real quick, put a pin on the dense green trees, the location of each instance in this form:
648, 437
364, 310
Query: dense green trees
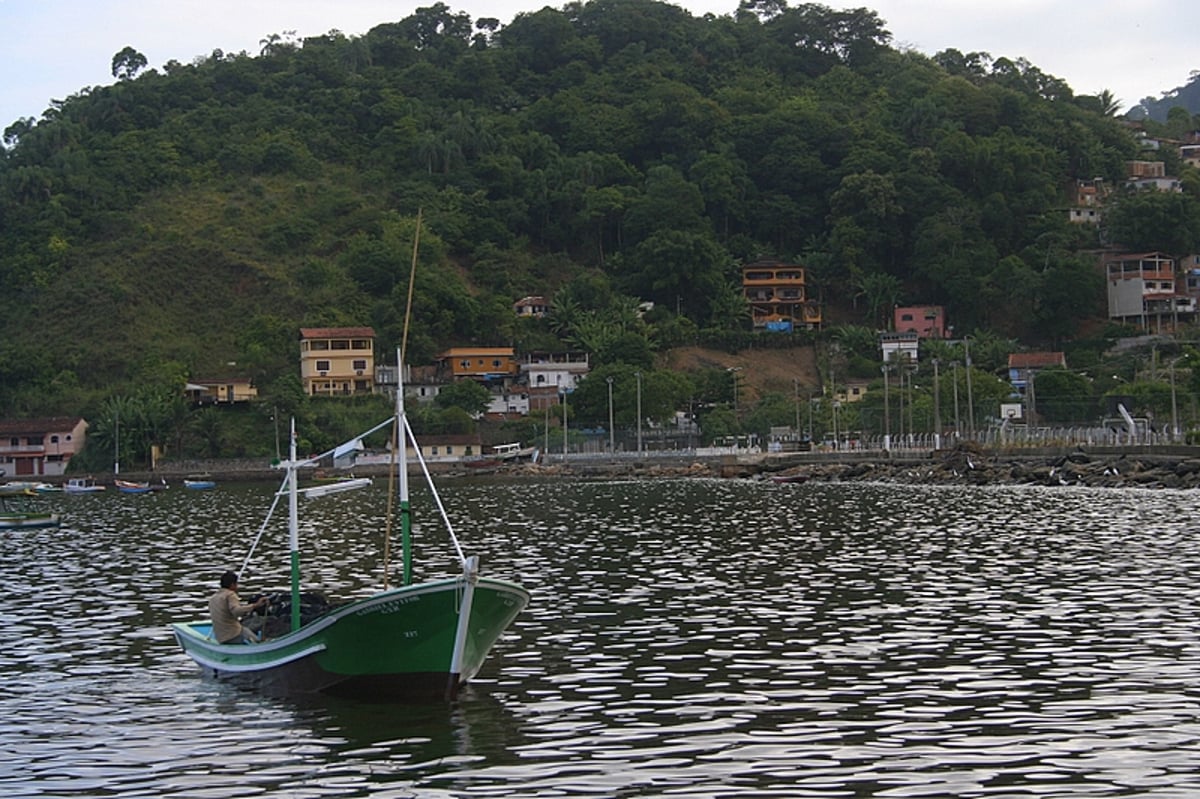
618, 144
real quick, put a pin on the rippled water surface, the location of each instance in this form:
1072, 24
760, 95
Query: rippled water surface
685, 639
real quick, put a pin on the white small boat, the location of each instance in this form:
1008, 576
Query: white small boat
82, 485
29, 485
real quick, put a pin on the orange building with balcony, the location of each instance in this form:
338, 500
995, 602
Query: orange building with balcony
778, 296
485, 364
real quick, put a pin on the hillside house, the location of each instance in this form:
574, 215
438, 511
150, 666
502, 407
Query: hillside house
899, 347
548, 375
532, 306
852, 391
1023, 366
1086, 198
451, 447
488, 365
927, 321
420, 382
778, 296
337, 361
220, 390
40, 447
1150, 176
1142, 290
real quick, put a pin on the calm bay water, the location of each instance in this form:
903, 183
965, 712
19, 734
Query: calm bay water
686, 639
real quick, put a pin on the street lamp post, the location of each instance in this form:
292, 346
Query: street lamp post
834, 405
564, 404
733, 370
796, 393
957, 424
970, 398
810, 418
937, 408
638, 375
1174, 408
611, 445
887, 411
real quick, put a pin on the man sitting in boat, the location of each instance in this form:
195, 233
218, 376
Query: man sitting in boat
227, 609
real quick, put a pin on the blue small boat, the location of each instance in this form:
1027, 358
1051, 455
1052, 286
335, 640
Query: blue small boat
198, 483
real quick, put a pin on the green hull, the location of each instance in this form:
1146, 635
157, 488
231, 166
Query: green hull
27, 521
399, 642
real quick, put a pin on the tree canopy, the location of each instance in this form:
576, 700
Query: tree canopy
194, 214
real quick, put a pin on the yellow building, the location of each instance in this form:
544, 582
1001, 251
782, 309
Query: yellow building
337, 361
220, 390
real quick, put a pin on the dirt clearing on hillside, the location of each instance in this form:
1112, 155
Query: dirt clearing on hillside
763, 371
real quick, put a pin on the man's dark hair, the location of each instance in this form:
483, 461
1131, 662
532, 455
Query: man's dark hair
229, 579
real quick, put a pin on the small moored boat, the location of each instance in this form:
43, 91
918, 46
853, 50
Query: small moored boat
139, 487
82, 485
17, 514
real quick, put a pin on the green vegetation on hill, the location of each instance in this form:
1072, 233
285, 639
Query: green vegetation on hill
602, 154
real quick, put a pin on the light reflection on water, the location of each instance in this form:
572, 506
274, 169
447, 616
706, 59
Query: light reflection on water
686, 638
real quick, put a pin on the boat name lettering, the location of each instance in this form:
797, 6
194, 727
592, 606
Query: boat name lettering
392, 605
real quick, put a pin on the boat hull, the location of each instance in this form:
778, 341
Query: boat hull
28, 521
398, 643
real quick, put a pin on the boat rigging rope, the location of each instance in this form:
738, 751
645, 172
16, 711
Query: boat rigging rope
437, 499
262, 528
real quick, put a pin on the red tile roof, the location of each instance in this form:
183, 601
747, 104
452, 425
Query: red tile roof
9, 427
337, 332
1034, 360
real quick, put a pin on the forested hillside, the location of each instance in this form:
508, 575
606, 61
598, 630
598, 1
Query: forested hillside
603, 154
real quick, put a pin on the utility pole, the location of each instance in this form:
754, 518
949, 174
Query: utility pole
611, 445
937, 409
638, 375
970, 397
887, 411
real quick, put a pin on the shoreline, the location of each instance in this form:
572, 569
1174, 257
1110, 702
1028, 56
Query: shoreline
1110, 467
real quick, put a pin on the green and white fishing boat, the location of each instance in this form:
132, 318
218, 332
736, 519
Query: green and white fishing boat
17, 514
422, 639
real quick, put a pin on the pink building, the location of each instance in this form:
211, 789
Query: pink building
40, 447
927, 321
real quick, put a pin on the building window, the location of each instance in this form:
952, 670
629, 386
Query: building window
322, 366
340, 344
53, 439
360, 365
320, 345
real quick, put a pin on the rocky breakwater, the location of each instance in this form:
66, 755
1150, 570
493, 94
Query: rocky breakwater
975, 467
